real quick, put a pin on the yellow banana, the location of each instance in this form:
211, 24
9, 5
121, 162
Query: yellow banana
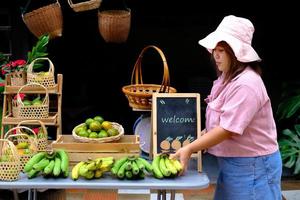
98, 173
75, 170
92, 165
83, 169
176, 164
89, 175
170, 166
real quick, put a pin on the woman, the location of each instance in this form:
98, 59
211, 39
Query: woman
240, 128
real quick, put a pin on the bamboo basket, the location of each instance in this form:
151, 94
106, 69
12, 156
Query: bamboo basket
115, 125
46, 80
10, 167
42, 142
114, 25
32, 111
23, 137
18, 78
139, 95
85, 5
45, 20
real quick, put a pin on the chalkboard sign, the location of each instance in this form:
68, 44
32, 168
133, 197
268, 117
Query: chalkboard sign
176, 121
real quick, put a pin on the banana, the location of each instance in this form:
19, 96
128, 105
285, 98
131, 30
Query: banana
75, 170
49, 168
170, 166
83, 170
156, 170
176, 164
162, 166
89, 175
98, 173
91, 165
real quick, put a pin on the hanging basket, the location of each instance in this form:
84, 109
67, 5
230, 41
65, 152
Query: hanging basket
9, 161
44, 78
32, 111
21, 137
139, 94
18, 78
45, 20
114, 25
42, 140
85, 5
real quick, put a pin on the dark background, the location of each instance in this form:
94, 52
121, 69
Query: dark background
95, 71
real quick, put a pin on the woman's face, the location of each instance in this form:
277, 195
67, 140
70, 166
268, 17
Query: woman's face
222, 58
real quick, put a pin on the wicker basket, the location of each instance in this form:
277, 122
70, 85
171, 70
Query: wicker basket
115, 125
139, 94
46, 80
22, 137
114, 25
10, 167
42, 142
45, 20
85, 5
32, 111
18, 78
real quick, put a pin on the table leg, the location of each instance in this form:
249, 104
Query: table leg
158, 194
172, 195
164, 195
29, 194
34, 194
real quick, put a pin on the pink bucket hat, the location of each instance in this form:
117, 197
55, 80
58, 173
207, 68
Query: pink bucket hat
237, 32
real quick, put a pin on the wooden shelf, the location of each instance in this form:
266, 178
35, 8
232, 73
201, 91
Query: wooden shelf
10, 120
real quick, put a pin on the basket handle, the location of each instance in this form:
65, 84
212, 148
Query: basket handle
11, 146
137, 70
51, 66
45, 101
34, 121
9, 134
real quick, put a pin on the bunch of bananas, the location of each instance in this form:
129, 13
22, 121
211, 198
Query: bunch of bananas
131, 168
163, 166
54, 164
92, 168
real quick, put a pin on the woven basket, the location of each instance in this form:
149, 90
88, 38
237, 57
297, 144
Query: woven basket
23, 137
10, 168
115, 125
42, 143
45, 20
85, 5
114, 25
32, 111
18, 78
139, 95
46, 80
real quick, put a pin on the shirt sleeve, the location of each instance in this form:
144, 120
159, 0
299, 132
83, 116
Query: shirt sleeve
239, 108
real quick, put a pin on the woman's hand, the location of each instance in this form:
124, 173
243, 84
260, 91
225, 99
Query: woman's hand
184, 155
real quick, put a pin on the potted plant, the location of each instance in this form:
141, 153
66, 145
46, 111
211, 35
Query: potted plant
288, 115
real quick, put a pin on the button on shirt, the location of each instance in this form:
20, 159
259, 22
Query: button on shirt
243, 107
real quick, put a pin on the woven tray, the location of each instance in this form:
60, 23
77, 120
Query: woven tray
115, 125
85, 5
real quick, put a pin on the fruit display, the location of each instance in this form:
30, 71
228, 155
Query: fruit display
164, 167
131, 167
98, 128
52, 164
92, 168
30, 100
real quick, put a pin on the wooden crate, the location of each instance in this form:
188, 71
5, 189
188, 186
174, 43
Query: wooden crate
128, 145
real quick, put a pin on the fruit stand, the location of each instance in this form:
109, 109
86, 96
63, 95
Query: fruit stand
191, 180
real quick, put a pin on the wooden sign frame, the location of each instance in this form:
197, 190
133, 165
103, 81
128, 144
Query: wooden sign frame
155, 96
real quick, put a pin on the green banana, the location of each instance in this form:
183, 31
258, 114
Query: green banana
162, 166
64, 161
156, 170
135, 168
147, 165
170, 166
118, 164
121, 171
41, 164
32, 173
57, 166
33, 160
49, 168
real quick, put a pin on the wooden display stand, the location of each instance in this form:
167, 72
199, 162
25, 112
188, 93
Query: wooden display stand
54, 118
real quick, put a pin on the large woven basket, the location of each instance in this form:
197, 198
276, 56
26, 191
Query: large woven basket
18, 78
85, 5
115, 125
45, 20
23, 137
10, 161
45, 79
114, 25
42, 142
32, 111
139, 95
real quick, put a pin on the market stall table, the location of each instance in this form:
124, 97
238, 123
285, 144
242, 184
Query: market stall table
191, 180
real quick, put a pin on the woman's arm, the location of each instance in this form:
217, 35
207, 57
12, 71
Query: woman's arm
211, 138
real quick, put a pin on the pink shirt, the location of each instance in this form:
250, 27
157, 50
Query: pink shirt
244, 108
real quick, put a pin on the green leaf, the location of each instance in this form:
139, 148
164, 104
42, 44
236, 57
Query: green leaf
297, 165
289, 107
297, 128
290, 162
291, 134
290, 143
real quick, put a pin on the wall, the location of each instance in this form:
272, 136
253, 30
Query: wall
95, 71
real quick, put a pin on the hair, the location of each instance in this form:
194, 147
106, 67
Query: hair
236, 67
